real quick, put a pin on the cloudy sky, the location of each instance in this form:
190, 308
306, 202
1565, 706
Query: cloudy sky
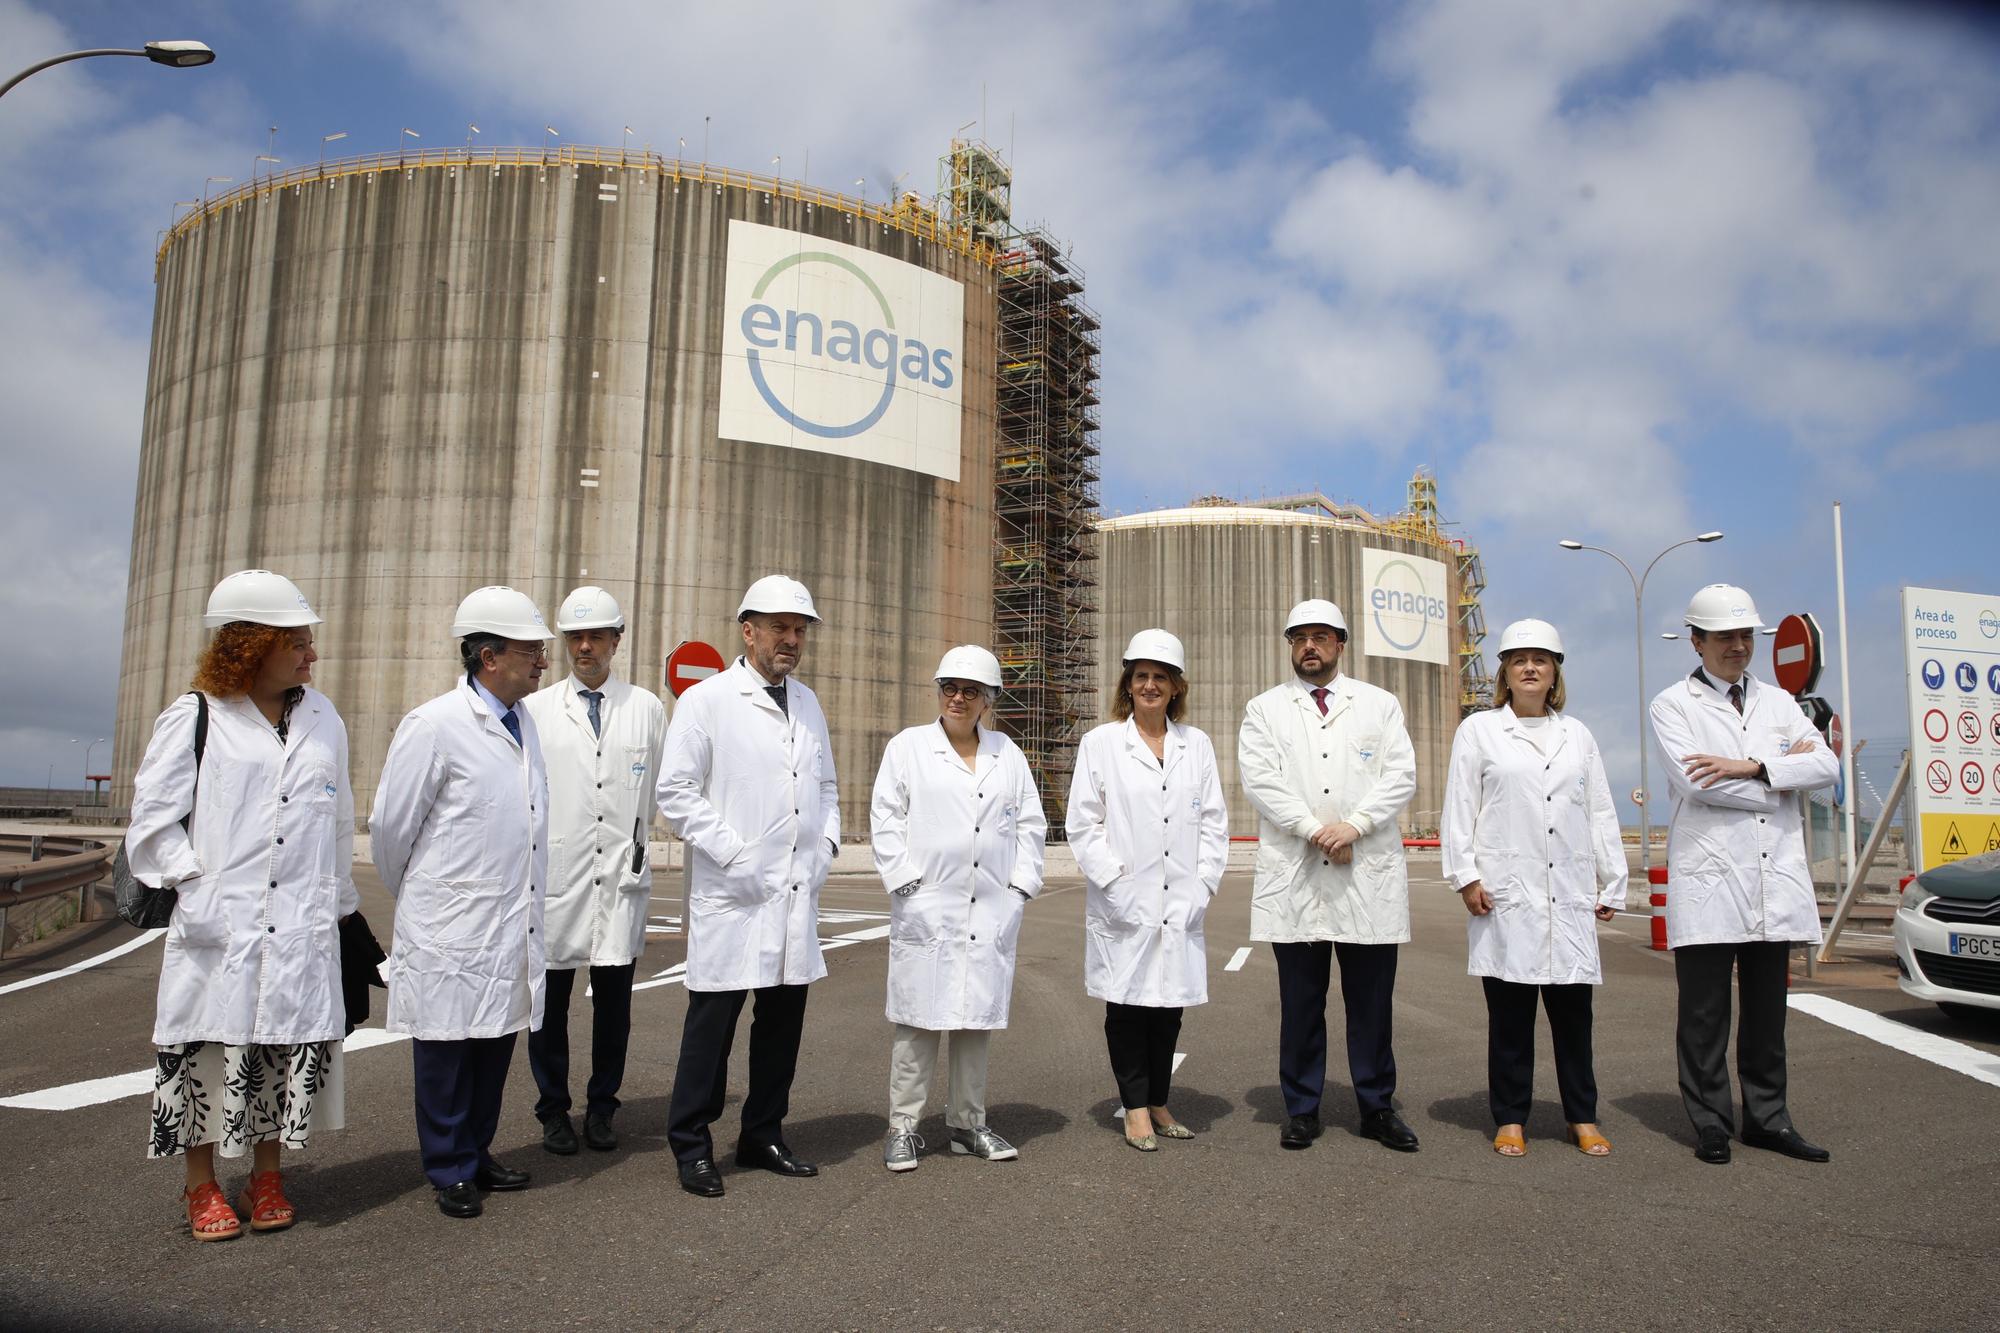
1618, 270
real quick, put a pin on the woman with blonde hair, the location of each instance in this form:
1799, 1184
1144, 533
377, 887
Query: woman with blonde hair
1532, 844
1151, 836
242, 807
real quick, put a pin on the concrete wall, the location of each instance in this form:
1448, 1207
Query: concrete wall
1224, 587
386, 385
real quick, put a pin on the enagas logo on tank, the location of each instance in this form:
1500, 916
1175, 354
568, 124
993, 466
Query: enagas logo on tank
835, 349
1405, 603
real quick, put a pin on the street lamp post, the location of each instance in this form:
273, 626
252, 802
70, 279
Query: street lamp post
1639, 638
179, 55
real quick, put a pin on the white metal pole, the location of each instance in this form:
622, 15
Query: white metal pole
1846, 695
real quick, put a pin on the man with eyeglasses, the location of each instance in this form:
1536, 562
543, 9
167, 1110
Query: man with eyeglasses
460, 836
747, 782
1328, 764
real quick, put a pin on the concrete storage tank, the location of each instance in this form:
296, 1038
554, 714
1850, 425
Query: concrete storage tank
1222, 577
397, 379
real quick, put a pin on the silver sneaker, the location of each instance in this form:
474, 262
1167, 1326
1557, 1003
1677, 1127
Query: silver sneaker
983, 1142
899, 1149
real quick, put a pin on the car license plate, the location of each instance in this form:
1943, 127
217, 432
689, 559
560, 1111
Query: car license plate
1974, 946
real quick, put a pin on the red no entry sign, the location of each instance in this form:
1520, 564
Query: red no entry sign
1795, 654
692, 661
1835, 737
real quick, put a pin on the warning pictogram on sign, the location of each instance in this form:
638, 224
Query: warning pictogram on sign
1935, 727
1973, 777
1993, 836
1968, 728
1953, 844
1938, 775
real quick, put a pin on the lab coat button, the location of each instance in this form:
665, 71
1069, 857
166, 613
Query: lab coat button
281, 842
270, 930
274, 883
284, 800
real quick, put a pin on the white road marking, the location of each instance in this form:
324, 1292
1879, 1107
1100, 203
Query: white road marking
127, 947
1953, 1055
677, 974
1237, 960
139, 1083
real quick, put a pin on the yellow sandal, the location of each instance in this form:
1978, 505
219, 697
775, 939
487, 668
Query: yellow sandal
1510, 1143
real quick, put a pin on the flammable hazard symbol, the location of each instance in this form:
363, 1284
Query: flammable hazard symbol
1945, 838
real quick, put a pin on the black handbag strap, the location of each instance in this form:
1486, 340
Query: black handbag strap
200, 747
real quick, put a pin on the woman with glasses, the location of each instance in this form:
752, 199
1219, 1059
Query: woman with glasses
1532, 844
1151, 836
957, 829
242, 807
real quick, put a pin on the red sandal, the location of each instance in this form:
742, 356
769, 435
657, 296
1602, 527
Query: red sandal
265, 1203
209, 1215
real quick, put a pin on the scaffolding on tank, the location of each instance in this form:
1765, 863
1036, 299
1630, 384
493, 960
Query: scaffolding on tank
1046, 474
1420, 520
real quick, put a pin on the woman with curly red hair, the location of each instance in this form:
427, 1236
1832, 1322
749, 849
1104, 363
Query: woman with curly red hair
242, 806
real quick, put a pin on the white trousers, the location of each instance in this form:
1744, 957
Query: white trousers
912, 1060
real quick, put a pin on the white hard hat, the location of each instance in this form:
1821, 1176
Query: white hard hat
1722, 606
1317, 611
1531, 634
970, 662
1156, 645
499, 610
589, 608
776, 595
259, 597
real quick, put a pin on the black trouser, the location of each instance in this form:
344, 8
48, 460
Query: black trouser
701, 1081
610, 1032
1141, 1040
1510, 1050
1701, 1040
1367, 990
458, 1086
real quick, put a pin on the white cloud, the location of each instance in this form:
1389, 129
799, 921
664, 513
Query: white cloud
1974, 445
1378, 230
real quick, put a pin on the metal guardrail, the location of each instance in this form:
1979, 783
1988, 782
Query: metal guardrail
40, 866
916, 219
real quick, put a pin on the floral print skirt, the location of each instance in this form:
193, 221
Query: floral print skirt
237, 1096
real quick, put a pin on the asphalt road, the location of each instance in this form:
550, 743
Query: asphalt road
1901, 1230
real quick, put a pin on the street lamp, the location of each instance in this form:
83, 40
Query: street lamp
1639, 639
180, 55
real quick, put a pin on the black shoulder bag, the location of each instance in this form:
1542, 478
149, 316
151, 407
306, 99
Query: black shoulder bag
142, 905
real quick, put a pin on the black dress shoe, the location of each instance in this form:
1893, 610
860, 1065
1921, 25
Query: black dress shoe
496, 1176
701, 1177
1713, 1148
597, 1132
1299, 1131
775, 1157
1387, 1128
559, 1135
1786, 1141
460, 1200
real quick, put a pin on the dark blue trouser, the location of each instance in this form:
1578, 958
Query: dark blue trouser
610, 1033
458, 1087
1367, 989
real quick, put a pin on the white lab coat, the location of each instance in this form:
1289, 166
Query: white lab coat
600, 806
972, 837
752, 792
1151, 837
1303, 772
1736, 852
1537, 828
460, 834
265, 872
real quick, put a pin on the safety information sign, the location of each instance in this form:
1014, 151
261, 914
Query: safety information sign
1951, 648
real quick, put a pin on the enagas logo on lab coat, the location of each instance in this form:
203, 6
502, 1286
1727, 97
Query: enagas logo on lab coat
1407, 611
836, 349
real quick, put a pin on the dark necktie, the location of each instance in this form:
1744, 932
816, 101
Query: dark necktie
593, 698
1319, 697
513, 725
1736, 696
777, 692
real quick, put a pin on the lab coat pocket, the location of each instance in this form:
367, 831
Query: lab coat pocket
636, 757
470, 916
201, 917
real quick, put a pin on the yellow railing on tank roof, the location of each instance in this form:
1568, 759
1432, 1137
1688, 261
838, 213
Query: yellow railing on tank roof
916, 220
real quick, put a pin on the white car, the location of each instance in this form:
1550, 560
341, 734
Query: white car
1948, 937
